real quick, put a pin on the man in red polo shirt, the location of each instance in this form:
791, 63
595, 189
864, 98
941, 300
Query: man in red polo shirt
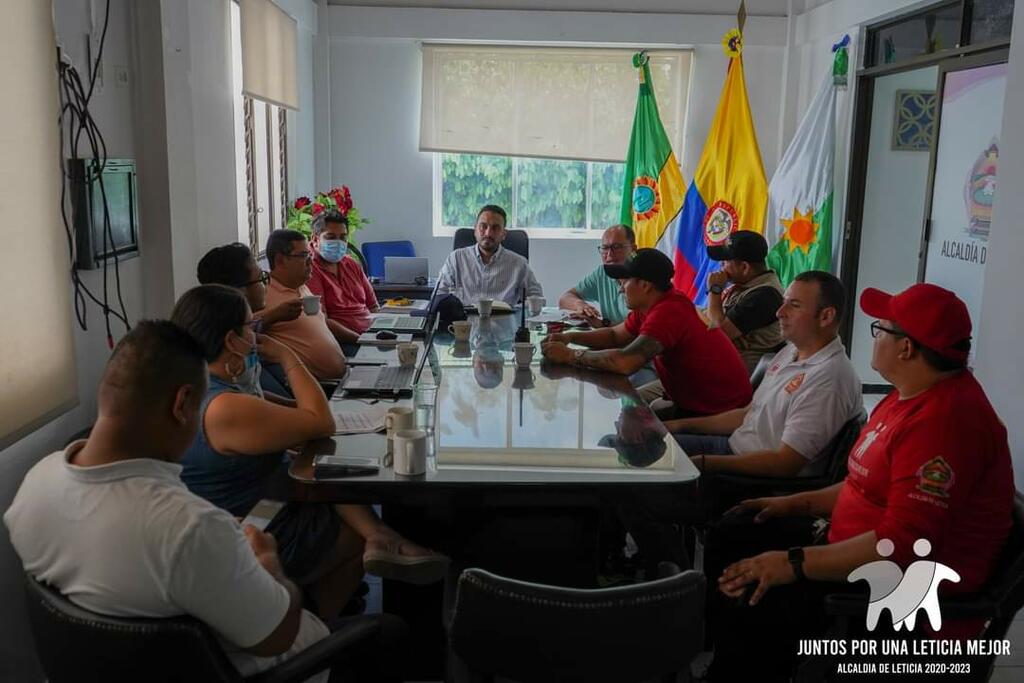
700, 369
932, 463
346, 294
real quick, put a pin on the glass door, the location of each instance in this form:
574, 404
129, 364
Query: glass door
900, 134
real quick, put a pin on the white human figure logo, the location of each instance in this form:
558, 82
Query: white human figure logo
883, 577
904, 594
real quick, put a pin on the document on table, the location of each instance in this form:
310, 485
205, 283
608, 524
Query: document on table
361, 421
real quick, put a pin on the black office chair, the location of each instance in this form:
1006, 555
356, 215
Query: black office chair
760, 369
75, 644
515, 240
531, 632
722, 491
997, 603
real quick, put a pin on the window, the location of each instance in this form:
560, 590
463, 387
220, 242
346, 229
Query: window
541, 131
261, 146
555, 198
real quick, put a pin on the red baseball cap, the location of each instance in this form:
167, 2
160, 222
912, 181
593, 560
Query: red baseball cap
930, 315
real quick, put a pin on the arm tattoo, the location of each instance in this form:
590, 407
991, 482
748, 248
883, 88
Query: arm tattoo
648, 347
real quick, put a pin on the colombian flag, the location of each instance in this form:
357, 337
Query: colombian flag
652, 196
729, 190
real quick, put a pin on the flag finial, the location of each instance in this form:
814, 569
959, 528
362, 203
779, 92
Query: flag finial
741, 16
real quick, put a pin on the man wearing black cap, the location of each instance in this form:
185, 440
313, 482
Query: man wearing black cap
701, 371
745, 310
930, 478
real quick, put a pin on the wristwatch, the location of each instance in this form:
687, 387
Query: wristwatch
716, 289
796, 559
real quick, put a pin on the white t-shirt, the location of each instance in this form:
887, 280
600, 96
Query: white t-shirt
128, 539
803, 404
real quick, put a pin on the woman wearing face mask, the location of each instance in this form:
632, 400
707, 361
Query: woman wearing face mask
346, 293
241, 445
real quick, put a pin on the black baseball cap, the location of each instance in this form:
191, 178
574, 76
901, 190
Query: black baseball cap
645, 264
742, 245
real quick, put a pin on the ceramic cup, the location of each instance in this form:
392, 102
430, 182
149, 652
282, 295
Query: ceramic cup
311, 304
410, 452
483, 307
397, 419
524, 353
407, 354
460, 330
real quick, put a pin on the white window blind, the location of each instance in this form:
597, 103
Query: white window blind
269, 54
37, 365
557, 102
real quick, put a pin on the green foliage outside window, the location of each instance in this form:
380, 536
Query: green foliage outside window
549, 193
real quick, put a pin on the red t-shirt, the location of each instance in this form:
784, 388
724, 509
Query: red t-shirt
935, 466
347, 296
700, 369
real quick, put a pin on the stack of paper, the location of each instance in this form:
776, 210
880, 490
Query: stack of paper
360, 422
394, 305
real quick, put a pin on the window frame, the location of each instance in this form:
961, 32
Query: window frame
439, 229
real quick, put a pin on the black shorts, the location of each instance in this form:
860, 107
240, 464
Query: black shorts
305, 533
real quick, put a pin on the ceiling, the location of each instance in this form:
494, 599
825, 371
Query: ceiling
778, 8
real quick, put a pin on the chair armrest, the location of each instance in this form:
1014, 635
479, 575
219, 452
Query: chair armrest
960, 607
318, 656
770, 484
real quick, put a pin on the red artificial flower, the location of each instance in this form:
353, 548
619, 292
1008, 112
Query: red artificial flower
318, 208
301, 202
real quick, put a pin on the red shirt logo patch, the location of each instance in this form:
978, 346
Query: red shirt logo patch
795, 383
936, 477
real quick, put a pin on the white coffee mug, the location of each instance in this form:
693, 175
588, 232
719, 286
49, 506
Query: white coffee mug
524, 353
407, 354
397, 419
410, 452
483, 307
535, 304
460, 329
311, 304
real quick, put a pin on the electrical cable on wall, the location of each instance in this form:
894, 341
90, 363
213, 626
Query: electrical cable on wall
79, 126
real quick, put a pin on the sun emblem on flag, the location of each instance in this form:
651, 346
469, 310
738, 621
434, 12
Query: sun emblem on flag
646, 198
801, 231
719, 222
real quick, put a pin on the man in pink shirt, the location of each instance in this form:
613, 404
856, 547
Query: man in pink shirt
346, 295
316, 339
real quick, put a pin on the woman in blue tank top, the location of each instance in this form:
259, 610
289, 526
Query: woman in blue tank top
240, 445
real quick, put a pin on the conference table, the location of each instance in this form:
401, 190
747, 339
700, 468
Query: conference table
525, 466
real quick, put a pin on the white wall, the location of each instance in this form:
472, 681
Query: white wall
999, 366
375, 72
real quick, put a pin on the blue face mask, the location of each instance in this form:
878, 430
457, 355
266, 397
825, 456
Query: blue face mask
249, 379
333, 251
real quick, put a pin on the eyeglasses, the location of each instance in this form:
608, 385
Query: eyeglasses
617, 246
306, 255
264, 278
877, 328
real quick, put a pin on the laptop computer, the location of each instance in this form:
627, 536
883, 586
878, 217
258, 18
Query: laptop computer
386, 380
398, 322
405, 270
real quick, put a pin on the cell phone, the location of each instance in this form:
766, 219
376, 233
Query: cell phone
263, 513
336, 466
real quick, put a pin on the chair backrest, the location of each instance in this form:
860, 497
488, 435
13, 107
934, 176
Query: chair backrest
532, 632
75, 644
515, 240
838, 450
374, 253
760, 369
1006, 585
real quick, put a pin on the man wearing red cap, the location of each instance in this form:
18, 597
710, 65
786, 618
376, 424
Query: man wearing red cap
932, 463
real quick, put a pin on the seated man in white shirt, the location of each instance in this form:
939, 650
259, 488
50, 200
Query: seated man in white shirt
486, 270
109, 523
808, 393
